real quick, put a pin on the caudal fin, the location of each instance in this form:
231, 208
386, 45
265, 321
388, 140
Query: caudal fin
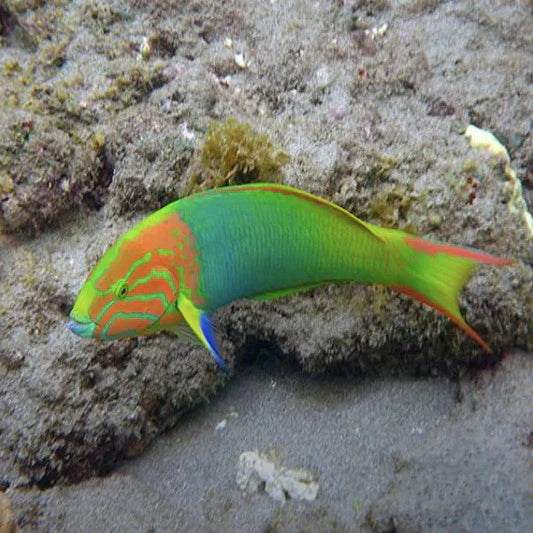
438, 272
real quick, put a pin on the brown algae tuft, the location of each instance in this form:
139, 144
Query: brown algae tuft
234, 153
390, 208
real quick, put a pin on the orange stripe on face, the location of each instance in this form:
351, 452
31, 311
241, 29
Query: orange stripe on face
122, 324
98, 304
115, 271
153, 286
172, 234
142, 271
432, 248
129, 252
153, 307
170, 318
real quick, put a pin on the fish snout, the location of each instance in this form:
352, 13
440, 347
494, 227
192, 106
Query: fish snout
82, 329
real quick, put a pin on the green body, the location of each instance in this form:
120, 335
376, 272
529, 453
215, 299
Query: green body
254, 242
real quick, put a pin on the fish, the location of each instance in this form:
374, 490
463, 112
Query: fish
256, 241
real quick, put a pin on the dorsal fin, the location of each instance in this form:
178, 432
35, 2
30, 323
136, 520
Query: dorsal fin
285, 189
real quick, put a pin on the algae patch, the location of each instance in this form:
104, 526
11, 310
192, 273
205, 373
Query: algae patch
45, 172
234, 153
391, 208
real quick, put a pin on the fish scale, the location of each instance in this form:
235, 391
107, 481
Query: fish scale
278, 241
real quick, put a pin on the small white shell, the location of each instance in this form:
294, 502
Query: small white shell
239, 60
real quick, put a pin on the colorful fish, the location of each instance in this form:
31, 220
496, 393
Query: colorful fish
259, 241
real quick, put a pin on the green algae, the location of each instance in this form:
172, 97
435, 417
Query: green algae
391, 207
131, 86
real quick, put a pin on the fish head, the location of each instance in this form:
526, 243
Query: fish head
126, 293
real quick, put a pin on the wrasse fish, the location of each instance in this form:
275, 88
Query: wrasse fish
259, 241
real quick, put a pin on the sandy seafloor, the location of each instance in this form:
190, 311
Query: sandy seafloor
399, 454
402, 424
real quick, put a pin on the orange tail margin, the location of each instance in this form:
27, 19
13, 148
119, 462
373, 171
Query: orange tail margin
449, 268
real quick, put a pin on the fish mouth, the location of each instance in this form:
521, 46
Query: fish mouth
82, 329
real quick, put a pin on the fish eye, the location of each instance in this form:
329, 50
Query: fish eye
121, 290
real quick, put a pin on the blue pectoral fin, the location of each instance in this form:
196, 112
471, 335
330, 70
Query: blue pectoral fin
202, 326
206, 325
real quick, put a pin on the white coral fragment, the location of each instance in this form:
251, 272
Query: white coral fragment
239, 60
485, 140
221, 425
255, 470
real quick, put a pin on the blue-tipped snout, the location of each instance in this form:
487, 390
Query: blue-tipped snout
82, 329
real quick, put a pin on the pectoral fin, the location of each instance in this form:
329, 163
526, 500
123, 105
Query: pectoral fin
183, 331
200, 322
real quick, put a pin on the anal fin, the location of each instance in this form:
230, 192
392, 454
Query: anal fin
287, 291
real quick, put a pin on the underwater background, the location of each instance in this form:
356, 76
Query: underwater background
352, 408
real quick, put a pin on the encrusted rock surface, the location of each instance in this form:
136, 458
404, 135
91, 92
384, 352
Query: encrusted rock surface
103, 110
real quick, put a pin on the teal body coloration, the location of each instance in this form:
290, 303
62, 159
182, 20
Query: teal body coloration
254, 242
